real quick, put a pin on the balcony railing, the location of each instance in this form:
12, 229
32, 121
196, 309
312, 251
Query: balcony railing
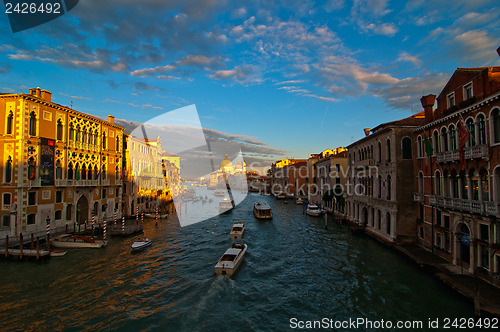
477, 207
35, 183
471, 152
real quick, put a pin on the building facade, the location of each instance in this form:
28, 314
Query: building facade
458, 174
58, 165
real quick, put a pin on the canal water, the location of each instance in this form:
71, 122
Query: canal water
294, 268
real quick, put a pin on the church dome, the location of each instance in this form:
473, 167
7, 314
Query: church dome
226, 164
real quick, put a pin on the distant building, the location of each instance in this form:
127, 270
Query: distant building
380, 181
458, 186
289, 176
57, 164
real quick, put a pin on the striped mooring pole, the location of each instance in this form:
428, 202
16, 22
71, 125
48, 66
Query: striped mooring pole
123, 224
104, 229
114, 222
137, 214
142, 219
156, 218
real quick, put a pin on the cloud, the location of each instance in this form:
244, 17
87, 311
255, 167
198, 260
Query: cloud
387, 29
142, 86
152, 71
405, 57
74, 97
242, 74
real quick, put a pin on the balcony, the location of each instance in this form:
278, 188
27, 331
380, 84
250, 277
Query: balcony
35, 183
476, 207
448, 156
479, 151
418, 197
106, 182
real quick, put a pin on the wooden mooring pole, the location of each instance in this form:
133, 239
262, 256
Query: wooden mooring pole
20, 245
37, 248
6, 246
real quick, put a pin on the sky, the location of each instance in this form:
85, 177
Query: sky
274, 78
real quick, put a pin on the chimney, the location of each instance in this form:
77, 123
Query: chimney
46, 95
427, 103
33, 92
111, 119
367, 131
38, 92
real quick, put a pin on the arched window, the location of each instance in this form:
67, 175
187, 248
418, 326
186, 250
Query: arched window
379, 219
95, 138
421, 182
438, 182
58, 170
77, 172
453, 138
104, 140
444, 139
446, 184
10, 121
84, 172
84, 136
89, 137
116, 172
95, 172
71, 132
388, 150
454, 184
495, 122
379, 147
77, 134
406, 145
117, 143
379, 186
8, 170
103, 175
32, 124
464, 180
59, 130
472, 131
481, 128
485, 185
419, 147
435, 140
389, 185
388, 223
31, 168
474, 185
70, 171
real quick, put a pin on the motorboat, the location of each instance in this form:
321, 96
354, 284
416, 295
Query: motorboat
237, 230
140, 244
231, 260
57, 252
313, 210
77, 241
153, 215
262, 210
299, 201
220, 193
280, 196
226, 204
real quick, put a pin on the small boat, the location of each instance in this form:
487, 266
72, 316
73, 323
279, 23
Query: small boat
141, 244
225, 204
231, 260
237, 230
57, 253
281, 196
153, 215
299, 201
313, 210
262, 210
220, 193
77, 241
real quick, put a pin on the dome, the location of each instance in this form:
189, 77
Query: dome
226, 164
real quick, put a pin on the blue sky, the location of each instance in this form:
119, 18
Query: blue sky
280, 78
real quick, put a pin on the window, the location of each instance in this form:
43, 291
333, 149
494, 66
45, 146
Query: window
485, 193
31, 168
446, 221
104, 140
71, 132
438, 183
435, 140
388, 223
389, 185
496, 125
69, 209
70, 171
103, 194
117, 192
10, 121
465, 184
58, 170
59, 196
453, 138
451, 99
484, 232
421, 182
421, 232
468, 91
472, 131
31, 219
474, 183
6, 201
438, 217
444, 139
406, 144
32, 124
379, 147
59, 130
32, 198
58, 215
379, 186
419, 147
481, 128
388, 150
117, 143
8, 170
5, 220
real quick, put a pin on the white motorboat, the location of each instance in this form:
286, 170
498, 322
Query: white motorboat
237, 230
313, 210
77, 241
57, 253
153, 215
280, 196
262, 210
225, 204
231, 260
141, 244
299, 201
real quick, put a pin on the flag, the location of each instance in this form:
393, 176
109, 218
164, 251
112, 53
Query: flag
33, 172
463, 136
77, 174
123, 175
97, 176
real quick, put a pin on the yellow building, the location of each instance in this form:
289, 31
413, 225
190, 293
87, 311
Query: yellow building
57, 164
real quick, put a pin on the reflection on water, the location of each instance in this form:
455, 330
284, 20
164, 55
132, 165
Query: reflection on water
293, 268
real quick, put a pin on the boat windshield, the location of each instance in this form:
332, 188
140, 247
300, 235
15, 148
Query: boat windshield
228, 258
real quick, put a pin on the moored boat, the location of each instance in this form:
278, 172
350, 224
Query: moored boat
237, 230
153, 215
313, 210
262, 210
57, 253
225, 204
299, 201
141, 244
77, 241
220, 193
231, 260
280, 196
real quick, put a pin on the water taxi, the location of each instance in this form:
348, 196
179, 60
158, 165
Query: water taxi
141, 244
77, 241
262, 210
237, 230
313, 210
231, 260
220, 193
226, 204
299, 201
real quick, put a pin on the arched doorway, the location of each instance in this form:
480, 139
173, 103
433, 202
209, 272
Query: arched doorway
82, 210
364, 220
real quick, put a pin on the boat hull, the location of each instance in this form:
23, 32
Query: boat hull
74, 242
230, 269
